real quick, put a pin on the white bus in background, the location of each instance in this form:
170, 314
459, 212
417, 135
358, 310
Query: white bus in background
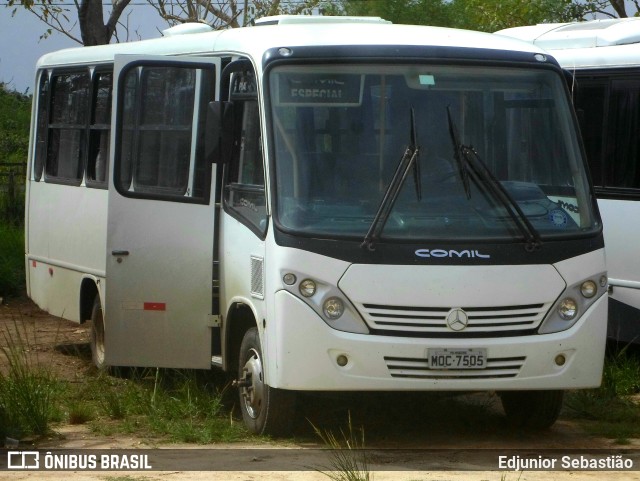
603, 58
321, 204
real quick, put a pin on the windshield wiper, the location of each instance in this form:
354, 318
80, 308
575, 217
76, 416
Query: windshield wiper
409, 159
471, 166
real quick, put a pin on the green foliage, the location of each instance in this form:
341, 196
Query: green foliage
416, 12
12, 279
177, 405
483, 15
609, 410
15, 115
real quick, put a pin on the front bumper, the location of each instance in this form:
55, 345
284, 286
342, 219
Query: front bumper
306, 350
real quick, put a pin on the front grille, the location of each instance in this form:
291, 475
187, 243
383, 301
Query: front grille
418, 368
432, 321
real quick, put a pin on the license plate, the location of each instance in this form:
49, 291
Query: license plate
457, 358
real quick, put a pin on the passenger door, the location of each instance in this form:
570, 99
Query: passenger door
161, 214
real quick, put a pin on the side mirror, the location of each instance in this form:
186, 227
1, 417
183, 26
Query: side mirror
218, 132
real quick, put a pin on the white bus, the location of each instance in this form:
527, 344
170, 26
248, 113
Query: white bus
320, 204
603, 58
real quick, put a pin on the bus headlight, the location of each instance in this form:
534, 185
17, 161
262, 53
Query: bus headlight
330, 304
333, 308
308, 288
573, 303
568, 309
588, 289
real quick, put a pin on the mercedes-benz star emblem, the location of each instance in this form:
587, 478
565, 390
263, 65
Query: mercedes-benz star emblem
457, 319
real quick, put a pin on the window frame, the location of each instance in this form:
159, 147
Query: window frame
229, 187
81, 128
605, 78
201, 98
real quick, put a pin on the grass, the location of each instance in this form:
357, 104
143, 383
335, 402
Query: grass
167, 404
610, 410
163, 404
348, 459
27, 390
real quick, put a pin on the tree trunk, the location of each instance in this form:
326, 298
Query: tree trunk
92, 27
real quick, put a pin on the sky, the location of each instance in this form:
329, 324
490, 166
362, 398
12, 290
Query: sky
20, 44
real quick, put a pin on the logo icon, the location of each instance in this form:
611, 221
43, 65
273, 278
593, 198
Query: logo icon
23, 460
457, 319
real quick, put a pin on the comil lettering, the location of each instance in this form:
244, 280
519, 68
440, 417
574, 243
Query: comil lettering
451, 253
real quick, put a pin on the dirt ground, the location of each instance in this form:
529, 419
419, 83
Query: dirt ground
63, 346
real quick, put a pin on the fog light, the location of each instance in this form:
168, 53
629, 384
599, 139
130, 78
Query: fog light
560, 359
307, 288
588, 289
333, 308
567, 309
342, 360
289, 279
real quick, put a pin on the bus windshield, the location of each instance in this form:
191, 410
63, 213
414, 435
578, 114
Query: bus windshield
340, 133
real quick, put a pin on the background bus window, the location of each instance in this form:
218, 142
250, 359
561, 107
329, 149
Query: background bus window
590, 103
66, 135
622, 130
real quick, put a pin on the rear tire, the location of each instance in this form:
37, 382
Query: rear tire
265, 410
97, 335
532, 410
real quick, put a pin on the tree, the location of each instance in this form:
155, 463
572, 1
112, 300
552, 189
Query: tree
228, 13
484, 15
493, 15
58, 15
418, 12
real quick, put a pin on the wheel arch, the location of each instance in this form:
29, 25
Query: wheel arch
240, 318
89, 288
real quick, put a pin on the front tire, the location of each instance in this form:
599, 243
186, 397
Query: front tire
97, 335
265, 410
532, 410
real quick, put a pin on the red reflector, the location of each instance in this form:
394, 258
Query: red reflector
155, 306
33, 263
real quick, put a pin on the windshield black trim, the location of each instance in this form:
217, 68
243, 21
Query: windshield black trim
403, 53
440, 55
500, 252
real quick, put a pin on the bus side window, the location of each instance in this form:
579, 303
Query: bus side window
67, 128
99, 129
244, 193
42, 122
245, 187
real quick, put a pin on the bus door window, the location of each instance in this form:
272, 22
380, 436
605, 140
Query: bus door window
161, 152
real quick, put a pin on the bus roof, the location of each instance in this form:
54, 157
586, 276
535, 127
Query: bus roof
285, 31
595, 44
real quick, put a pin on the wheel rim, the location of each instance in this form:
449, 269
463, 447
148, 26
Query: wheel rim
98, 335
252, 391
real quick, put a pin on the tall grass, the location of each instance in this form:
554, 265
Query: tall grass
348, 458
28, 391
11, 260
